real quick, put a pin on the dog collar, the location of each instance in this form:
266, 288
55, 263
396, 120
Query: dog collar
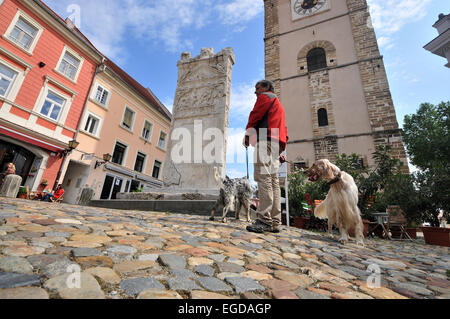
335, 180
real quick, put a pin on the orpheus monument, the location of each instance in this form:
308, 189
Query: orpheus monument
197, 141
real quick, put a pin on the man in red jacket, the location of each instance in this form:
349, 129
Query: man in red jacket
266, 130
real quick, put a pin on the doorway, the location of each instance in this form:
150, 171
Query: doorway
74, 180
111, 186
19, 156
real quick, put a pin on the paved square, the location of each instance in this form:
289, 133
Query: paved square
43, 246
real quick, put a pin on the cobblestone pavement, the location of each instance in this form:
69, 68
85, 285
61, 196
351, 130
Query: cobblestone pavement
134, 254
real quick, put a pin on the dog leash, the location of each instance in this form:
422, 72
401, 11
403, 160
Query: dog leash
246, 153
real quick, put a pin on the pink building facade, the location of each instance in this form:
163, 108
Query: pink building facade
46, 71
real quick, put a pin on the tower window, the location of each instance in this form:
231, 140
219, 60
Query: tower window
316, 59
323, 117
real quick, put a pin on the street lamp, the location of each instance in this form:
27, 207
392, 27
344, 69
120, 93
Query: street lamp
106, 159
73, 144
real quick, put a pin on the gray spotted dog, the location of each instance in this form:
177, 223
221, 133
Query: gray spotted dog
235, 192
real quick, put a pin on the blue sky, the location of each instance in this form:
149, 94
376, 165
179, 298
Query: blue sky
146, 39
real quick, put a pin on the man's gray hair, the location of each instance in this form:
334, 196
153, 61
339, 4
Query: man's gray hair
266, 83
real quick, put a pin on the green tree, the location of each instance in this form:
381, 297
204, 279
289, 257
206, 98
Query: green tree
427, 140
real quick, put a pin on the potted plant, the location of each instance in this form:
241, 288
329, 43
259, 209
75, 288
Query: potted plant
301, 217
22, 192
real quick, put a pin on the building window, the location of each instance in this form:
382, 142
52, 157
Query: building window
119, 153
92, 124
23, 34
128, 118
323, 117
156, 169
101, 95
147, 131
69, 65
53, 106
316, 59
162, 140
7, 77
140, 160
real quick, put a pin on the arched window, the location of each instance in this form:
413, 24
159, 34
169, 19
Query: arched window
323, 117
316, 59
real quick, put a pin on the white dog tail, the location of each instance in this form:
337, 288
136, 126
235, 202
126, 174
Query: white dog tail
321, 211
217, 177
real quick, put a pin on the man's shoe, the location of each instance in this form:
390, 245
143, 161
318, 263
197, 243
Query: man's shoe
259, 227
275, 229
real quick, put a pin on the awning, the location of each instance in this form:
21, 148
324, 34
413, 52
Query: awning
29, 139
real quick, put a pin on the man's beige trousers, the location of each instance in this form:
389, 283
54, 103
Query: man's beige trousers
266, 167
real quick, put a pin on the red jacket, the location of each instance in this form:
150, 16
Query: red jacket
268, 113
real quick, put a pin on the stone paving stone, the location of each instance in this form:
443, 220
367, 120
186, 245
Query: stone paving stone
230, 267
214, 284
150, 257
12, 280
86, 252
205, 270
306, 294
15, 264
284, 294
58, 234
67, 287
182, 285
40, 261
200, 294
133, 265
23, 293
159, 294
416, 288
173, 261
242, 284
105, 274
137, 285
94, 261
59, 268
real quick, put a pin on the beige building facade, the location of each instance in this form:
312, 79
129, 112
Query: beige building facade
126, 121
328, 72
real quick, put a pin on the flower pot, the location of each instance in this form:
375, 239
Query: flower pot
366, 223
301, 222
22, 195
412, 232
436, 236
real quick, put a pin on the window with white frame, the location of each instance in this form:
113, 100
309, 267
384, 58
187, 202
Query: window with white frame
101, 95
162, 140
92, 124
23, 33
147, 130
156, 169
7, 77
128, 118
53, 106
69, 65
119, 153
140, 160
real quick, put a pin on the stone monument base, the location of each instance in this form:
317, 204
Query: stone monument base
165, 194
192, 207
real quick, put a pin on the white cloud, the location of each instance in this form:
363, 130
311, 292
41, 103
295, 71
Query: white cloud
242, 99
390, 16
108, 24
239, 11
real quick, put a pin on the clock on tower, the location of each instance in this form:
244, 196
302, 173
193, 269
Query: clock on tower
303, 8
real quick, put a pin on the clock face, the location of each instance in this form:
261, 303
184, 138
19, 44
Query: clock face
303, 8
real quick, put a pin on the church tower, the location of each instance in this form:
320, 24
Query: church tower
324, 59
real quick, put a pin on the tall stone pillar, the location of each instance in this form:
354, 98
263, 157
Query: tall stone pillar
197, 141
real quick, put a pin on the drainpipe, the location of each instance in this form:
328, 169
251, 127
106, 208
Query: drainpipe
99, 69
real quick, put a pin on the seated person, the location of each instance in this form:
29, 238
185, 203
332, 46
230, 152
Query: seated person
10, 169
49, 197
